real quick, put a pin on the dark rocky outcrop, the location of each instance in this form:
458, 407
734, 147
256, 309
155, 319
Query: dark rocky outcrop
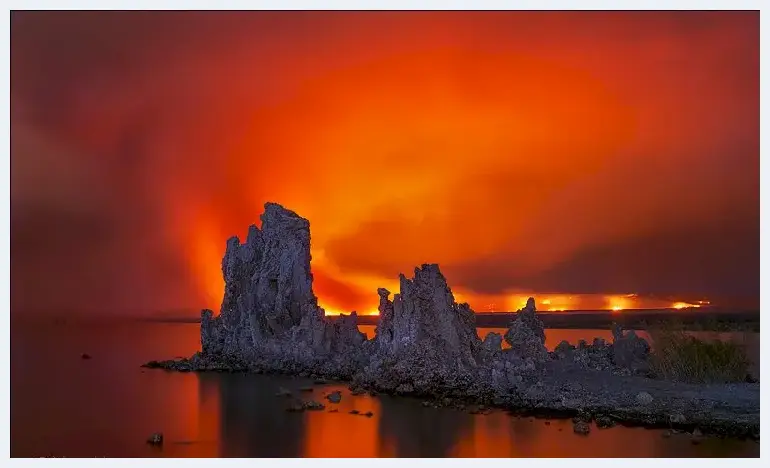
629, 351
424, 339
426, 344
580, 427
270, 317
526, 335
492, 344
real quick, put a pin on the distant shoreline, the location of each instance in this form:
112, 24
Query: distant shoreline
702, 319
706, 319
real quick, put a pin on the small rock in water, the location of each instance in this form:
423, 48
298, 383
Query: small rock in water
581, 417
368, 414
548, 423
666, 434
333, 410
353, 411
334, 397
156, 439
85, 356
297, 407
644, 398
314, 405
426, 404
603, 422
306, 389
581, 428
283, 392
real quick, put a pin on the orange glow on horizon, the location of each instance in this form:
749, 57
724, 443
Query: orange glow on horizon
412, 152
684, 305
619, 303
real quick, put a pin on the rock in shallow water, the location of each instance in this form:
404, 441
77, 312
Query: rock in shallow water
581, 427
155, 439
603, 422
334, 397
313, 405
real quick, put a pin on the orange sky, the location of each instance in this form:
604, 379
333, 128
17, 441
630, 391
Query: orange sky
577, 156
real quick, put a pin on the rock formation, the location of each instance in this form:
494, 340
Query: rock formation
269, 309
526, 334
493, 343
424, 337
427, 344
629, 351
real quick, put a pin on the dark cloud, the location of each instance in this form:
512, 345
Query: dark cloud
718, 259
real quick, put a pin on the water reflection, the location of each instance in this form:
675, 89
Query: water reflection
107, 406
255, 424
416, 431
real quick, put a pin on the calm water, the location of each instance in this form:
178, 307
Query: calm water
62, 405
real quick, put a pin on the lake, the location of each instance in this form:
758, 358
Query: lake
65, 406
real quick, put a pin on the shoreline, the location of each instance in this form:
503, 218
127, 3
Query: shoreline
722, 410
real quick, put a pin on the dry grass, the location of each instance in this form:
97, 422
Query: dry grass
677, 355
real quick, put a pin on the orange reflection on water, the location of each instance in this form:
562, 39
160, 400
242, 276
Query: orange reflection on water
341, 434
500, 435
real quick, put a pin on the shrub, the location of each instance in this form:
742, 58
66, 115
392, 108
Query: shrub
677, 355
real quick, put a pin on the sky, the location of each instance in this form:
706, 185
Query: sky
592, 159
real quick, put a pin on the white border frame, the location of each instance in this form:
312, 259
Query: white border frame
342, 5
